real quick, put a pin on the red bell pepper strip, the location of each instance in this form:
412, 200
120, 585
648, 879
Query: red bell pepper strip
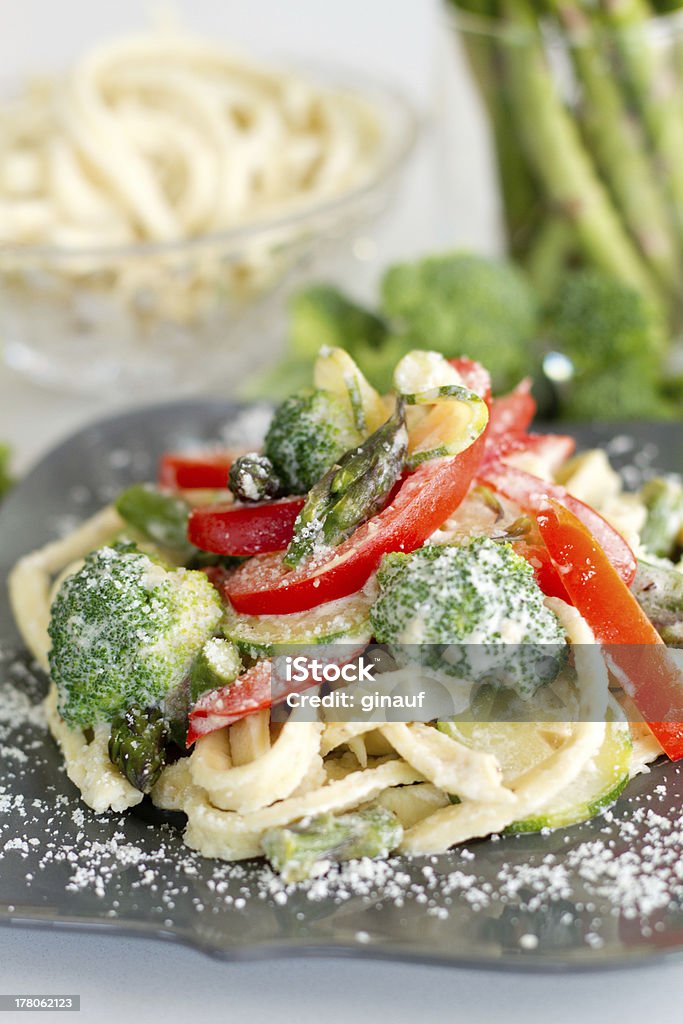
635, 650
244, 529
506, 433
511, 414
533, 494
196, 471
260, 687
553, 449
251, 692
545, 572
426, 498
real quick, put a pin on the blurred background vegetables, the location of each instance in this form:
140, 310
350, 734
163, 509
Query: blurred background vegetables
585, 106
596, 347
6, 480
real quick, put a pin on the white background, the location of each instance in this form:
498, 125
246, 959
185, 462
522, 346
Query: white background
132, 979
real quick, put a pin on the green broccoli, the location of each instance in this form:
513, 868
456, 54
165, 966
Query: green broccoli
378, 364
125, 630
615, 395
464, 304
614, 341
308, 432
321, 315
458, 608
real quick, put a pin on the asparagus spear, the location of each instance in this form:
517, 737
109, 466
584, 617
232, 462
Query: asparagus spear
217, 664
556, 152
653, 89
617, 144
522, 205
137, 745
548, 255
252, 477
352, 490
663, 499
295, 852
160, 517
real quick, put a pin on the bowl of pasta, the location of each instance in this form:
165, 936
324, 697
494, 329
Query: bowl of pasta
156, 197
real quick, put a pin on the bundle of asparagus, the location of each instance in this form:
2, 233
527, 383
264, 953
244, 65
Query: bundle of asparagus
590, 163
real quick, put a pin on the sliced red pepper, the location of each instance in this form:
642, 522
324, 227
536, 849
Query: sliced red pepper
258, 688
251, 692
532, 495
553, 449
506, 433
637, 653
196, 471
545, 572
511, 414
244, 529
264, 586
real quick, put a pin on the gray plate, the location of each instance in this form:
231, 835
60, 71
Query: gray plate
541, 901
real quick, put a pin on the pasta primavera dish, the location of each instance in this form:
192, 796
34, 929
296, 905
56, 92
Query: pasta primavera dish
431, 521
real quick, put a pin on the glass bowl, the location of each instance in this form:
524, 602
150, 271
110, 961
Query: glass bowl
160, 318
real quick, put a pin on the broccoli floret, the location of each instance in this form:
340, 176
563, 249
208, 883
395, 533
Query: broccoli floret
458, 608
378, 364
125, 630
322, 315
621, 394
308, 432
463, 304
615, 342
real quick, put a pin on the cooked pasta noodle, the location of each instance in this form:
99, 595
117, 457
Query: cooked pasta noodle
155, 141
164, 136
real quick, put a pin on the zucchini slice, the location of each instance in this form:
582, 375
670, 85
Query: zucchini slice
336, 371
444, 417
596, 788
340, 621
518, 746
521, 746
